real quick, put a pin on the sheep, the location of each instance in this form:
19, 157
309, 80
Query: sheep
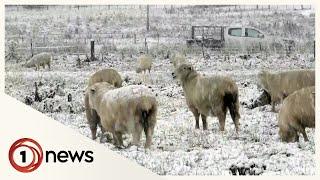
38, 60
178, 59
106, 75
296, 113
280, 85
144, 63
129, 109
91, 114
209, 96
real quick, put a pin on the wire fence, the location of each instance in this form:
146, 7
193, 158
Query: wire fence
132, 42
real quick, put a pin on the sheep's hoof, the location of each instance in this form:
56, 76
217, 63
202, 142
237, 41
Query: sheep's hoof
222, 133
102, 139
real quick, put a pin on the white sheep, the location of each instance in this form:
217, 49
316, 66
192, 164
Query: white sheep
296, 113
110, 76
106, 75
144, 64
209, 96
280, 85
129, 109
38, 60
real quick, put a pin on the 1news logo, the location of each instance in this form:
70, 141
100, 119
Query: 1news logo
19, 160
26, 155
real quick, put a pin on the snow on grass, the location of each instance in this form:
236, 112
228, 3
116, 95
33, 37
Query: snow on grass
178, 148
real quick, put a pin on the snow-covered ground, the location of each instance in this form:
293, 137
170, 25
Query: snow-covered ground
178, 148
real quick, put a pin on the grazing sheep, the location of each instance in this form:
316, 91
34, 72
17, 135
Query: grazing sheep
129, 109
209, 96
178, 59
280, 85
106, 75
144, 63
91, 114
110, 76
38, 60
297, 112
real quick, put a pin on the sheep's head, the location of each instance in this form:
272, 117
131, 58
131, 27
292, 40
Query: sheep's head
95, 90
27, 64
183, 71
263, 79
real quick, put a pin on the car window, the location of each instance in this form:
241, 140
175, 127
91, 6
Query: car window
235, 32
252, 33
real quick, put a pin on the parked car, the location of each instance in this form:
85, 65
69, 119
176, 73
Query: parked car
241, 38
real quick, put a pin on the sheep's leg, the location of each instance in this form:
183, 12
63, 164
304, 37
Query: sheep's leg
93, 128
149, 138
94, 120
303, 131
294, 135
273, 106
117, 136
49, 66
149, 76
222, 120
274, 99
236, 123
115, 139
90, 117
145, 76
103, 132
136, 137
204, 122
196, 116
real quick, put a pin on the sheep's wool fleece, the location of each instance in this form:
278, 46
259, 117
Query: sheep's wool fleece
128, 92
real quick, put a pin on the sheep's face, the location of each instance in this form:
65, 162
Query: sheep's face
27, 64
182, 71
92, 95
262, 79
94, 92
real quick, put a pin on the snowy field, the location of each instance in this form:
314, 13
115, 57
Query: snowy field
178, 148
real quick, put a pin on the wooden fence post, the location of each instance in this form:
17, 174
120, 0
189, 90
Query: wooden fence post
148, 25
31, 49
314, 50
146, 45
92, 50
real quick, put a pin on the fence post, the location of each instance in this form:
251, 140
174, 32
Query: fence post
31, 49
158, 36
148, 25
314, 50
92, 50
146, 45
